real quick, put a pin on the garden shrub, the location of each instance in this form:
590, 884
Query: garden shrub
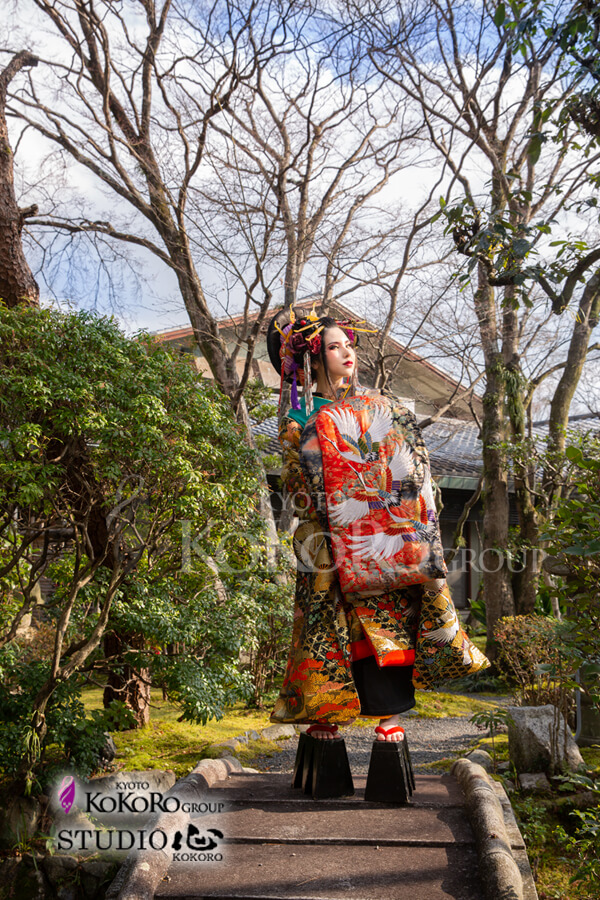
529, 657
565, 847
271, 605
72, 737
125, 480
573, 540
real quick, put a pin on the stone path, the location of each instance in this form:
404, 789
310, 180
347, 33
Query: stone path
272, 842
429, 739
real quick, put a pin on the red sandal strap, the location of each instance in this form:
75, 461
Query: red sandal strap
331, 729
395, 729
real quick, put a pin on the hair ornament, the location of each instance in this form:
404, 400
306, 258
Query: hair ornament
308, 396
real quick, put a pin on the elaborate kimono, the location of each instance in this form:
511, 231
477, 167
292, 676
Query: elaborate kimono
370, 585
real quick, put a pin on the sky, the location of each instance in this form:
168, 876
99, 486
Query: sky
145, 293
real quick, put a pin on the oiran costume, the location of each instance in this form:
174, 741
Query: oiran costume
371, 574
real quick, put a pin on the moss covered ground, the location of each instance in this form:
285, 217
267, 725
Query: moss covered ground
167, 743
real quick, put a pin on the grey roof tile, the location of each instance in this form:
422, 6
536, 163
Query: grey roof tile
454, 445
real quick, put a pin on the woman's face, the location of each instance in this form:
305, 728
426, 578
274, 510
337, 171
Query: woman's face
340, 355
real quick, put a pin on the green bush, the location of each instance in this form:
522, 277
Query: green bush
529, 657
78, 736
573, 540
271, 604
123, 478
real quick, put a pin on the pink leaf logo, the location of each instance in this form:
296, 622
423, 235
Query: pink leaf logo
66, 794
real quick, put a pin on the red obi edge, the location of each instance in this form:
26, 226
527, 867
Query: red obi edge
361, 649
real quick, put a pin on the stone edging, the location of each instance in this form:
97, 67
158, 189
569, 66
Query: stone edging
501, 874
142, 872
271, 732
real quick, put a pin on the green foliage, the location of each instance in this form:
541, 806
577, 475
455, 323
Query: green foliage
573, 540
139, 410
138, 489
510, 245
194, 636
504, 245
544, 836
80, 736
259, 400
578, 38
586, 844
530, 657
491, 720
478, 610
269, 601
563, 843
272, 462
575, 531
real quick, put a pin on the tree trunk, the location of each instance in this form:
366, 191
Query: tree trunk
526, 576
525, 579
525, 582
586, 320
17, 284
496, 575
130, 686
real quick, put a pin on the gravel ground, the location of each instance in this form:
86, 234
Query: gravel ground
429, 740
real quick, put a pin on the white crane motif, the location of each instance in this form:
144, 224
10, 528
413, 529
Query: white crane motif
383, 492
445, 633
362, 448
387, 543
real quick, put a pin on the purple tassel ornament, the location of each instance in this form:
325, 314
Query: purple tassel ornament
294, 391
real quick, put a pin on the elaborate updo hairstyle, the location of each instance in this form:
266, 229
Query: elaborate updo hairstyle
296, 342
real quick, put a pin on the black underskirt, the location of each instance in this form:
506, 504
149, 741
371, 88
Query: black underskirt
383, 691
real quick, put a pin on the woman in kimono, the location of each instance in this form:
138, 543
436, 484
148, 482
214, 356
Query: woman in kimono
353, 652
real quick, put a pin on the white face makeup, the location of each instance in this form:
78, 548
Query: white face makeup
340, 357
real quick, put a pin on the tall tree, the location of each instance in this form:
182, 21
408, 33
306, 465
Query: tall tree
481, 98
136, 96
260, 156
124, 157
17, 284
106, 444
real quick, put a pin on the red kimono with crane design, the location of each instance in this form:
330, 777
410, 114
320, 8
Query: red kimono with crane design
370, 560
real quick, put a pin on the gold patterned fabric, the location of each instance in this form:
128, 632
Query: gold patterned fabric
443, 649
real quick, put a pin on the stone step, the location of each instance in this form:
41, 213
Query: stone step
279, 844
282, 822
431, 790
326, 872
